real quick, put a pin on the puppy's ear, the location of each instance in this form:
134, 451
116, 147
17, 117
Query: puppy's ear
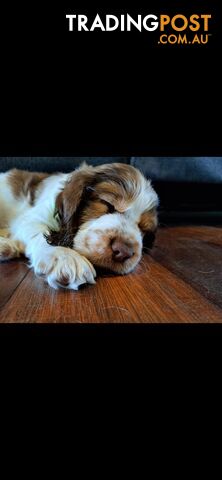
148, 224
69, 199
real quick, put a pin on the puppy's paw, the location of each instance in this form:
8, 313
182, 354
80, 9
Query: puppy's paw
10, 249
63, 267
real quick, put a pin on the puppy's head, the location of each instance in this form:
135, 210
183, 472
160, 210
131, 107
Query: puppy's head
105, 213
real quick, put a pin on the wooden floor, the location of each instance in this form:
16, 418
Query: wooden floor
179, 281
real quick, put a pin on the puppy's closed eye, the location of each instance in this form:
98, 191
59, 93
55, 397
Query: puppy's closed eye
110, 207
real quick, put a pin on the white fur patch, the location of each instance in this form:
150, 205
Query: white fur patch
59, 263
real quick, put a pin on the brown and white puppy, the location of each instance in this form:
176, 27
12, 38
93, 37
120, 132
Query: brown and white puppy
68, 223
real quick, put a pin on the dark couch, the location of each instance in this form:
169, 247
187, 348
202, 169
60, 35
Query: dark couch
177, 169
187, 186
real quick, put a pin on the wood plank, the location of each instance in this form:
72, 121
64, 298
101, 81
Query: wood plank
195, 255
151, 294
11, 275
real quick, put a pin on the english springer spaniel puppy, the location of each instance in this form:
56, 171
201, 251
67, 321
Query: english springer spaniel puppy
68, 223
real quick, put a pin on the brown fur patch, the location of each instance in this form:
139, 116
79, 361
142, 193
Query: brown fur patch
68, 204
63, 280
25, 184
93, 210
148, 224
69, 199
118, 184
148, 221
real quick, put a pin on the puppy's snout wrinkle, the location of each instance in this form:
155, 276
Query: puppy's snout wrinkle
121, 251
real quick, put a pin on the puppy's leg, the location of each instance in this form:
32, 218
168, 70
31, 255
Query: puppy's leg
60, 266
10, 249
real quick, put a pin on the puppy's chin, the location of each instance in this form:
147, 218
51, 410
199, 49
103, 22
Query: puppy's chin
105, 260
115, 267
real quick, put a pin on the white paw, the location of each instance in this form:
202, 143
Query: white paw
63, 267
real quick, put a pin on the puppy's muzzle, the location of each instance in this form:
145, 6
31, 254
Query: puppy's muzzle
121, 251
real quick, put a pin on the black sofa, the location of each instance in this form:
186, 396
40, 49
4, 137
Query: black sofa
189, 187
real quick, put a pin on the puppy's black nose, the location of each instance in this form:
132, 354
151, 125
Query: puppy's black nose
121, 251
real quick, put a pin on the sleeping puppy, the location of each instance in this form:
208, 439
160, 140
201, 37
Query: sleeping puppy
68, 223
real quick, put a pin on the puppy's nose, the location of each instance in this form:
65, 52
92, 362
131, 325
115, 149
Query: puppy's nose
121, 251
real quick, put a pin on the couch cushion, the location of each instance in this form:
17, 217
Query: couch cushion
181, 169
54, 164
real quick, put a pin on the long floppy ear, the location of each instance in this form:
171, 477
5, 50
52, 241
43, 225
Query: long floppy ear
149, 224
70, 198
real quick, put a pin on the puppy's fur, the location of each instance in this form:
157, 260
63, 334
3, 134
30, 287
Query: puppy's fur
66, 223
